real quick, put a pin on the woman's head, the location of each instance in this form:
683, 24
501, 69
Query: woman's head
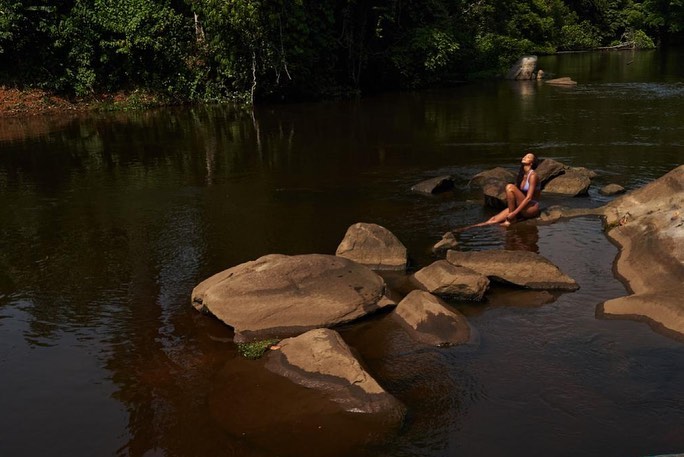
530, 159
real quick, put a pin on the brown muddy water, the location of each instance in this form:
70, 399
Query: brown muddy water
109, 221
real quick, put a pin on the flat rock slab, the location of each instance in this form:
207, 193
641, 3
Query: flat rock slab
564, 81
374, 246
611, 189
430, 321
450, 281
278, 295
571, 183
434, 185
321, 360
521, 268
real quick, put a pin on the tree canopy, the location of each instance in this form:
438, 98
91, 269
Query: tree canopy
222, 49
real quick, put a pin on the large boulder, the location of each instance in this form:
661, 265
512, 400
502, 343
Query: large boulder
549, 169
434, 185
494, 192
571, 183
321, 360
278, 295
648, 225
374, 246
523, 69
496, 174
450, 281
521, 268
429, 320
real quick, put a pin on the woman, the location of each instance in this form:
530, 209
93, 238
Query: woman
522, 197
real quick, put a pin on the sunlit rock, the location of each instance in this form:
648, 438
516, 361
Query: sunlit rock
374, 246
434, 185
648, 225
321, 360
521, 268
430, 321
278, 295
571, 183
612, 189
523, 69
564, 81
450, 281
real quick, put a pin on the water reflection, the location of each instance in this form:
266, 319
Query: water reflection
522, 237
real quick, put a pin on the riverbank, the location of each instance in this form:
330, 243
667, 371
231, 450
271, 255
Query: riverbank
32, 102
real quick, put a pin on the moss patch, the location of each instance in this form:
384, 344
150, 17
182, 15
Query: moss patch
255, 349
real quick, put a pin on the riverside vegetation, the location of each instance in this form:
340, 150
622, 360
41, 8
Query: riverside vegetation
211, 50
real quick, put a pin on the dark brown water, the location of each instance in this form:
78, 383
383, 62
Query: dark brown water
109, 221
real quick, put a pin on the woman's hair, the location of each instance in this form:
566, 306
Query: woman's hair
521, 171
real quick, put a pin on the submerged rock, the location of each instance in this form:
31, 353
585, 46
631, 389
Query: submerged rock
612, 189
278, 295
447, 242
429, 320
321, 360
434, 185
521, 268
374, 246
447, 280
564, 81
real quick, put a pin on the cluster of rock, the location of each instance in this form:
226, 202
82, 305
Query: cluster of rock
556, 178
525, 69
303, 296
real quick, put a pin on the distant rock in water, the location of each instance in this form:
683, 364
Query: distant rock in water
612, 189
278, 295
434, 185
494, 174
565, 81
431, 321
374, 246
523, 69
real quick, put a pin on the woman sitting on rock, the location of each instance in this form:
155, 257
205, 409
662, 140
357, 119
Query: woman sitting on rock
522, 197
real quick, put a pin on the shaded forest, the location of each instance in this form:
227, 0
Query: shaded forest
204, 50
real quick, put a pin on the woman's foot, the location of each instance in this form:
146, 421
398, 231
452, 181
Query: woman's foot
506, 223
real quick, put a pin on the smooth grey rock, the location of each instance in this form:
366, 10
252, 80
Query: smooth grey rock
374, 246
447, 280
497, 174
521, 268
549, 169
430, 321
434, 185
278, 295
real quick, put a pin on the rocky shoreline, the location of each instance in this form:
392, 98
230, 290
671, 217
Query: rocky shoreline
299, 299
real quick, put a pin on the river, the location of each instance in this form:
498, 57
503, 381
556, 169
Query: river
109, 220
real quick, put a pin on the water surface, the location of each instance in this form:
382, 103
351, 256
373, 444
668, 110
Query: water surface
109, 221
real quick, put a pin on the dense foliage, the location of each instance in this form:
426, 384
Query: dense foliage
218, 49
